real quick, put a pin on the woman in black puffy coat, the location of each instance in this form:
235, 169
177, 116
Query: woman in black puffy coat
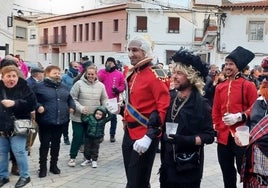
52, 114
17, 102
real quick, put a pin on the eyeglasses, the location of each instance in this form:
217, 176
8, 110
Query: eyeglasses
262, 77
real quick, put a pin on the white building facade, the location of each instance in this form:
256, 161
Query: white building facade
245, 26
168, 29
6, 29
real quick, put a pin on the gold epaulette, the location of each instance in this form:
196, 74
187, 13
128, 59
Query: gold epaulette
159, 73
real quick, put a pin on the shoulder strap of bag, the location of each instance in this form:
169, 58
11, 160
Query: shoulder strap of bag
259, 130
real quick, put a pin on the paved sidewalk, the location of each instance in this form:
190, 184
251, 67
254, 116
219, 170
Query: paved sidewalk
110, 172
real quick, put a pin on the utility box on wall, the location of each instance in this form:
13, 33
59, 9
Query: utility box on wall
5, 48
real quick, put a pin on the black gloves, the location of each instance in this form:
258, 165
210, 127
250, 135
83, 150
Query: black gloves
154, 120
115, 90
154, 125
181, 140
153, 132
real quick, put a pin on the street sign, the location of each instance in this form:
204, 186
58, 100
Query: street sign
2, 47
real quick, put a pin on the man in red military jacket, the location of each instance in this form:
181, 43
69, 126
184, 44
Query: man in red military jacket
231, 108
147, 100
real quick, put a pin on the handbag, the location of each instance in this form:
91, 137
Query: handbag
23, 127
187, 161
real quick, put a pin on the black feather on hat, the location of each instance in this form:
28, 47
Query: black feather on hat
187, 57
241, 57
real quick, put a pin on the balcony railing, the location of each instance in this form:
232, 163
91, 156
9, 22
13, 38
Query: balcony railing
206, 36
54, 40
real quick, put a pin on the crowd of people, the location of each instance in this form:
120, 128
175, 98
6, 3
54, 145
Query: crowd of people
175, 112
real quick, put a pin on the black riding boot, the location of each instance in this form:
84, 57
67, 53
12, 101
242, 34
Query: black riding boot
43, 162
54, 153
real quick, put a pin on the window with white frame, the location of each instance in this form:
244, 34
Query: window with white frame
256, 30
21, 32
141, 24
32, 33
173, 25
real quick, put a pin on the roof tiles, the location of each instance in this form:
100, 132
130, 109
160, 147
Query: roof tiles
263, 3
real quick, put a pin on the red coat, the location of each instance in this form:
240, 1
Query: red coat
228, 98
147, 92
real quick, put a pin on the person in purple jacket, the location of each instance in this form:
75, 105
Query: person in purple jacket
114, 83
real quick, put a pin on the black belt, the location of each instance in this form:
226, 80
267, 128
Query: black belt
132, 125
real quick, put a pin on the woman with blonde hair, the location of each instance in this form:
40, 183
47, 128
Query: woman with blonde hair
88, 94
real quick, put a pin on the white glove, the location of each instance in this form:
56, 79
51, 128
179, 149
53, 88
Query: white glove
141, 145
231, 119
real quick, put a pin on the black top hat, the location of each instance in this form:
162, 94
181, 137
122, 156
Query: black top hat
241, 57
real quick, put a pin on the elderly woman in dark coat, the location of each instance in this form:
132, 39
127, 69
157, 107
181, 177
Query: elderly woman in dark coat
54, 106
17, 102
182, 151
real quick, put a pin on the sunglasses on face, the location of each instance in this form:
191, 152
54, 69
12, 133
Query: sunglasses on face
262, 77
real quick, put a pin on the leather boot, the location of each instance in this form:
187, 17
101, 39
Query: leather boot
54, 153
42, 171
54, 169
43, 162
14, 169
112, 138
66, 140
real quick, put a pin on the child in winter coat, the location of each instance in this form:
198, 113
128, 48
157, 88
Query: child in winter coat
95, 133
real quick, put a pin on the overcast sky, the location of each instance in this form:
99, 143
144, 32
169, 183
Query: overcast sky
69, 6
55, 6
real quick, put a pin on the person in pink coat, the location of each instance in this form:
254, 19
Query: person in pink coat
22, 66
114, 83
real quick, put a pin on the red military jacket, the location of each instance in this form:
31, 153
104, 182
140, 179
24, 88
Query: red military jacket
232, 96
147, 91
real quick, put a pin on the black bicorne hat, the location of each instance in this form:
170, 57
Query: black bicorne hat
188, 58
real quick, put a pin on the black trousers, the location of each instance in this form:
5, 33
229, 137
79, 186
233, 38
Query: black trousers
228, 155
91, 148
50, 137
138, 167
65, 130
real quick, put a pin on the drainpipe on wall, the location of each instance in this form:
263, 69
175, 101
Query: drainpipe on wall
219, 35
127, 34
